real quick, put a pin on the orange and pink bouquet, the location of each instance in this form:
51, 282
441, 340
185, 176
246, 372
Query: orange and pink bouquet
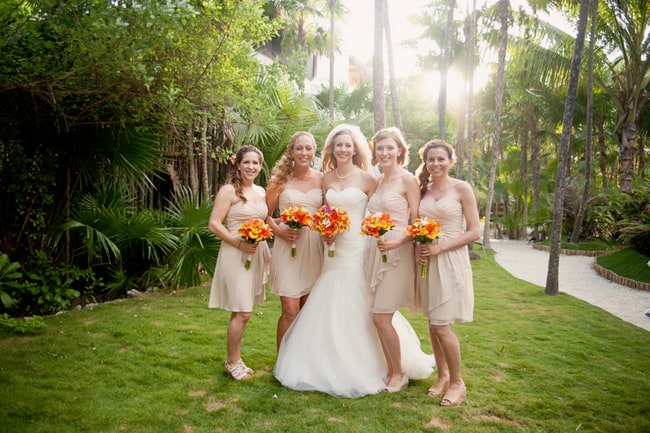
423, 230
254, 232
377, 225
328, 221
296, 217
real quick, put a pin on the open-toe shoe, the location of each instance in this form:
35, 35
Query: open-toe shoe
454, 396
438, 389
403, 383
237, 372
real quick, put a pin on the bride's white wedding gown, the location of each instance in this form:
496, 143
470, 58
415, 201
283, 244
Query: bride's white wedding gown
332, 346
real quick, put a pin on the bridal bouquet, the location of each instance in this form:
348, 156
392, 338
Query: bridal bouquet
328, 221
377, 225
254, 232
296, 218
423, 230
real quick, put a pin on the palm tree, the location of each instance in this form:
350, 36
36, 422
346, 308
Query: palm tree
504, 12
552, 276
623, 31
397, 117
379, 103
577, 226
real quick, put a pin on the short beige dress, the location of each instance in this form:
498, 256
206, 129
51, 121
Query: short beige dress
446, 295
393, 282
295, 276
235, 288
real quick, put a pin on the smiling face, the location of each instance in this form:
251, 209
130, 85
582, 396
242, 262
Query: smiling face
438, 161
387, 151
250, 165
303, 151
343, 148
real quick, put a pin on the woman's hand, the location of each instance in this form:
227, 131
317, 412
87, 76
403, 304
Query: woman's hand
247, 247
329, 240
288, 234
386, 245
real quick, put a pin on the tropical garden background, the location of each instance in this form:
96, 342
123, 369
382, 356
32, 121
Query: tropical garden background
118, 118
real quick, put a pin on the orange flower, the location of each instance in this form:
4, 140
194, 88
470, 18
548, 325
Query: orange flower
295, 217
377, 224
328, 221
423, 230
254, 231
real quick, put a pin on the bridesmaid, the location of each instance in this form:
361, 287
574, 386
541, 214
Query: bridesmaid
447, 293
235, 288
392, 282
294, 183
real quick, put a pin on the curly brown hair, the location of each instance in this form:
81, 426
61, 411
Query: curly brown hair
283, 168
234, 177
422, 172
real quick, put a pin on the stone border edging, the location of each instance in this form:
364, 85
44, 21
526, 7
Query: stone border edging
605, 273
623, 281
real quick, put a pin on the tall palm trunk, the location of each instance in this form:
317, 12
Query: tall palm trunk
577, 226
378, 100
392, 81
331, 54
504, 11
470, 95
552, 287
444, 68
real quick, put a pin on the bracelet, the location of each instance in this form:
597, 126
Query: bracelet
238, 243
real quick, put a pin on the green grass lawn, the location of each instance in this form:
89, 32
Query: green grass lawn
532, 363
627, 263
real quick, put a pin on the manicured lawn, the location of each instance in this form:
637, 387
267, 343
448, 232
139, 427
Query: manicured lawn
533, 363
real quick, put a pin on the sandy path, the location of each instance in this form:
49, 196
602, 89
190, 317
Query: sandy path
577, 278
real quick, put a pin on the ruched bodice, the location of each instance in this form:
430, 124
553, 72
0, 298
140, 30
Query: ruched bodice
311, 199
448, 213
241, 212
393, 203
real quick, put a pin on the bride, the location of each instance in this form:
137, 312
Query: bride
332, 346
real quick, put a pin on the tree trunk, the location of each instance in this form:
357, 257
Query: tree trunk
552, 285
397, 117
582, 209
378, 100
535, 153
331, 54
504, 12
471, 48
602, 150
444, 68
205, 179
191, 160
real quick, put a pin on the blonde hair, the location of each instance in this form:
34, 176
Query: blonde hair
396, 135
362, 150
283, 168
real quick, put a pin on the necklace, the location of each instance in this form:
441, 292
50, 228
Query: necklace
336, 171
